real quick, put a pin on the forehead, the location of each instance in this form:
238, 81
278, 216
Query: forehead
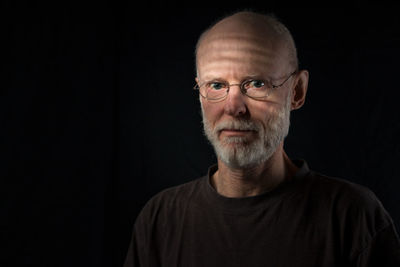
239, 54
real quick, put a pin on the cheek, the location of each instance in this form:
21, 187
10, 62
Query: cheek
261, 111
212, 111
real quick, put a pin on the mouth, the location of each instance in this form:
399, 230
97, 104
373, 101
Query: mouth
235, 132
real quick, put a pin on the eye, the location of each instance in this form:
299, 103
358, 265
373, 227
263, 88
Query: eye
216, 86
256, 84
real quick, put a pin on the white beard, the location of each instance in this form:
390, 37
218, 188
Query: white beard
241, 152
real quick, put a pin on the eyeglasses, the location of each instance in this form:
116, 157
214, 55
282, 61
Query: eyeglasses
215, 91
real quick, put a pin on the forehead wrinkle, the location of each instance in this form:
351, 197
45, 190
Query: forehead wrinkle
240, 59
236, 42
237, 36
232, 66
234, 50
243, 57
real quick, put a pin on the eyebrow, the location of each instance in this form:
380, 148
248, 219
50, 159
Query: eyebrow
254, 76
247, 77
207, 78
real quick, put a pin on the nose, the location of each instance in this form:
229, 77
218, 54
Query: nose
235, 102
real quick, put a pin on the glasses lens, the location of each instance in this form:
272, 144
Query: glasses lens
214, 90
257, 88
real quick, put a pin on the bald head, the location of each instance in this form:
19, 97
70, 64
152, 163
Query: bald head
263, 34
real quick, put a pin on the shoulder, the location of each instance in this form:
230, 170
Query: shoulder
173, 199
352, 211
352, 203
178, 193
327, 188
356, 216
340, 189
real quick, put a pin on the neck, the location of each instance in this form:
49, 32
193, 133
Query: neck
253, 181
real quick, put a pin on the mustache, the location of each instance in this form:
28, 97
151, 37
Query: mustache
242, 125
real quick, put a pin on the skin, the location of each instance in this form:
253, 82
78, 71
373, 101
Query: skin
234, 49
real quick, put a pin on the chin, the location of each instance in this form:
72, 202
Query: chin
234, 141
243, 155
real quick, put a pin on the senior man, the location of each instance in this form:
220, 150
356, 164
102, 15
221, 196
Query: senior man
257, 207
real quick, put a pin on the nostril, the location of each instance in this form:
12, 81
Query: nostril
241, 112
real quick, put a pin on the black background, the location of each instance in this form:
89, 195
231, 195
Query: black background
97, 114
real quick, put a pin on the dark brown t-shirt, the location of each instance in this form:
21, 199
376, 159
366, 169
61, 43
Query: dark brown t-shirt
309, 220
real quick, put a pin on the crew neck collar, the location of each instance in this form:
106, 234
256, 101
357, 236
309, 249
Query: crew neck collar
244, 204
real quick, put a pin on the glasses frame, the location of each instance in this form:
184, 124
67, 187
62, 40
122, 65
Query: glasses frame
242, 89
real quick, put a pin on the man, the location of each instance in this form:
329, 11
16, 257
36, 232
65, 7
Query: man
257, 207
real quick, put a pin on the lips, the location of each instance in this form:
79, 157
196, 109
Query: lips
236, 128
235, 132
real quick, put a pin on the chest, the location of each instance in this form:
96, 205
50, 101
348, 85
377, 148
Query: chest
263, 237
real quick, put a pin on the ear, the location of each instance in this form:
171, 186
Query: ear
300, 89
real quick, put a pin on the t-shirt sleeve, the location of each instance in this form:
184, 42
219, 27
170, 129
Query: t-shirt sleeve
383, 250
136, 245
368, 234
131, 256
373, 226
142, 250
